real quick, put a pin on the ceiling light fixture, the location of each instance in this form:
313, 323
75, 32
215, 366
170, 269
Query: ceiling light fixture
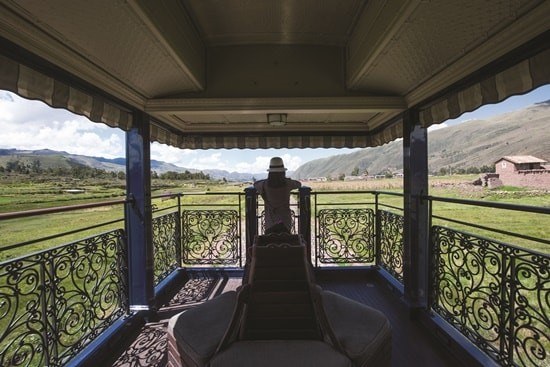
276, 119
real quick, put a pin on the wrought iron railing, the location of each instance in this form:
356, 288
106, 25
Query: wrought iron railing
166, 244
390, 234
211, 230
343, 229
496, 294
346, 236
348, 230
166, 236
53, 303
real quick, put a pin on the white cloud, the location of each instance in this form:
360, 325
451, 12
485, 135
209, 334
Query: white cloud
169, 154
437, 127
32, 125
261, 163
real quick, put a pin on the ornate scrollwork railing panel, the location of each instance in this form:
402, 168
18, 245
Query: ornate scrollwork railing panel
55, 302
346, 236
210, 237
165, 244
497, 295
391, 243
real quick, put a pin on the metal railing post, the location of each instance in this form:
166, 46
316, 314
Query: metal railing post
304, 220
179, 239
251, 216
378, 229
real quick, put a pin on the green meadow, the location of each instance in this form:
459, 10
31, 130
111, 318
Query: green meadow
17, 195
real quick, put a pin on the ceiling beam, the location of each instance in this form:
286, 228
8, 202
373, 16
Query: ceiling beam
266, 105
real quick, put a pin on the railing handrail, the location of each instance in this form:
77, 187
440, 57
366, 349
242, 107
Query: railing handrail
374, 192
490, 204
208, 193
168, 195
60, 209
59, 235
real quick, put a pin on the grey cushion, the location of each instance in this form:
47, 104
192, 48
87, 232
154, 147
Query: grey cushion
363, 332
199, 330
278, 353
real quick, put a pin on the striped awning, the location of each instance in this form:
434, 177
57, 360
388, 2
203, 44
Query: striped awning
255, 141
29, 83
32, 84
518, 79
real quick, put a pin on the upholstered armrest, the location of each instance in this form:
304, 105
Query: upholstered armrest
198, 331
364, 333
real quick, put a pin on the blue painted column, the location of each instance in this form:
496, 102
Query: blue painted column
139, 215
416, 231
304, 221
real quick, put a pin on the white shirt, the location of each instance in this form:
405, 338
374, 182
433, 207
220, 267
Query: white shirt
277, 202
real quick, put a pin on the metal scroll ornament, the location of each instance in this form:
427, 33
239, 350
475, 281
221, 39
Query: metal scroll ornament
346, 236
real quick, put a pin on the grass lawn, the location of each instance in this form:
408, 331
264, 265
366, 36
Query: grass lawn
16, 196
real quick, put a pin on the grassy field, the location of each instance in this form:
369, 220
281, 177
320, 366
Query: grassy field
16, 195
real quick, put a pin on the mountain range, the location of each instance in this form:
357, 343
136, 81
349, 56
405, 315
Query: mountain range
51, 159
473, 143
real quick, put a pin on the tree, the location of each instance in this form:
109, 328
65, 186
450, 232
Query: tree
355, 171
35, 166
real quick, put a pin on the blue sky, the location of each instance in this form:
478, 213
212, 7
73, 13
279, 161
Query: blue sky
26, 124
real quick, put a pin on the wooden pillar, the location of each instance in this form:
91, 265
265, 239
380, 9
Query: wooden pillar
139, 215
416, 235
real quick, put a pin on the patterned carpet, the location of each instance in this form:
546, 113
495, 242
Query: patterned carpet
149, 347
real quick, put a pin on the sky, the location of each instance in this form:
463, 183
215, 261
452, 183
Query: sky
32, 125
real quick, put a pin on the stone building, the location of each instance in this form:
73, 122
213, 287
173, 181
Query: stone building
523, 170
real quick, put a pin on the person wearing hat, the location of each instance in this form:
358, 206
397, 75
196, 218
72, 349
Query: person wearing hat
275, 192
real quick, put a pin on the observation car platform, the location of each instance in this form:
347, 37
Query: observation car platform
412, 344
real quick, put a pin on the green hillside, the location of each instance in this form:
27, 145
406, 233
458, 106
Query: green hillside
474, 143
45, 162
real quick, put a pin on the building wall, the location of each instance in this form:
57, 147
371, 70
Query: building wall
504, 168
534, 178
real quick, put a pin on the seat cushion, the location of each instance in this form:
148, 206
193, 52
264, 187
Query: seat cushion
277, 353
199, 330
363, 332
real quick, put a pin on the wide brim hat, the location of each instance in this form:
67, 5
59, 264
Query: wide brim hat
276, 165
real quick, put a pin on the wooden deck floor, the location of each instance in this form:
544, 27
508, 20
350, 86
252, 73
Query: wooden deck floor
412, 344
